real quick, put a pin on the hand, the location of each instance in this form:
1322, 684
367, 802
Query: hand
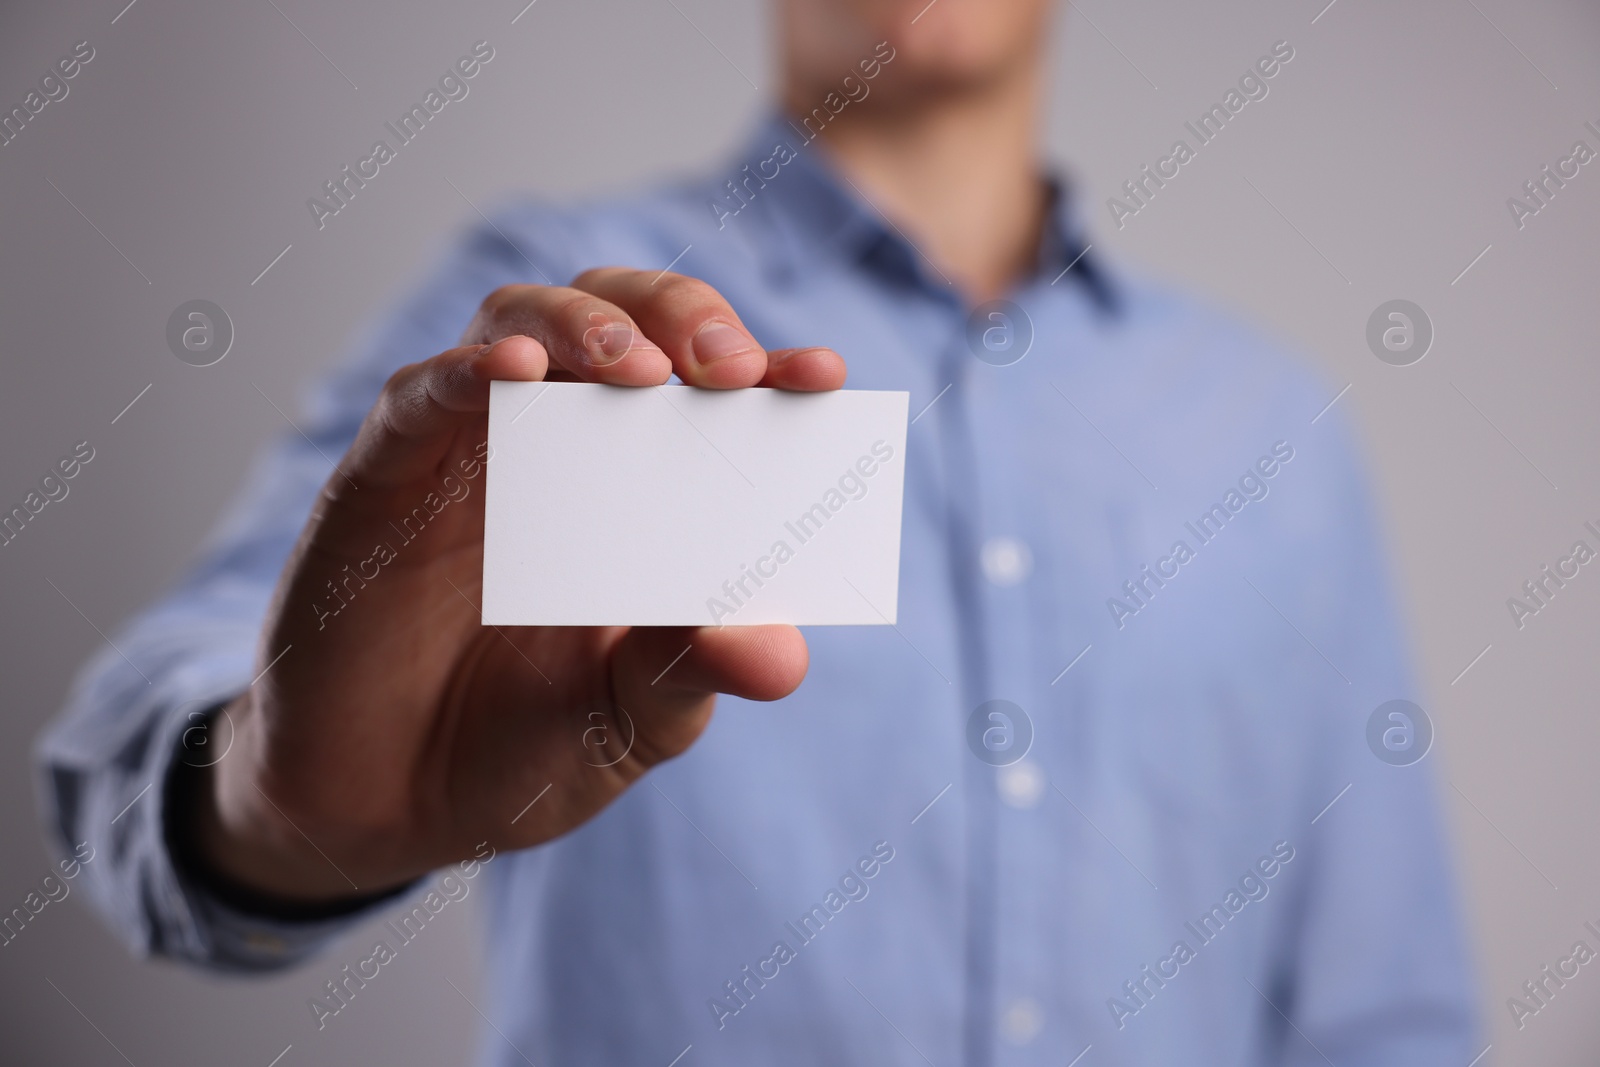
398, 733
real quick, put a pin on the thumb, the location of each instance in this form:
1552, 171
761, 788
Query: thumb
667, 677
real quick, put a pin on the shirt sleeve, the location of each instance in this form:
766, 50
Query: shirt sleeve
146, 701
1374, 965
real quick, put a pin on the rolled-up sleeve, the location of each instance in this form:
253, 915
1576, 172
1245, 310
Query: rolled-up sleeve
149, 697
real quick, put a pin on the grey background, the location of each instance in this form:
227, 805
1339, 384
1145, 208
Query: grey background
1381, 163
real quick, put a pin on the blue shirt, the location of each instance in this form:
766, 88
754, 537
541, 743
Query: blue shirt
1124, 517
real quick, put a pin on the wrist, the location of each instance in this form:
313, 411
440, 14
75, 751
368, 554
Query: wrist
227, 835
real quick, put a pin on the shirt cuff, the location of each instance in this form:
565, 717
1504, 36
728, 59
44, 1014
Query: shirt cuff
235, 927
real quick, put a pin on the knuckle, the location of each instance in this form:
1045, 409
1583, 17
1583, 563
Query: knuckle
684, 290
396, 388
688, 303
574, 308
401, 399
389, 394
489, 322
386, 421
506, 296
599, 276
573, 302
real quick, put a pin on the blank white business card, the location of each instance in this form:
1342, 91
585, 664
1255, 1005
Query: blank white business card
675, 506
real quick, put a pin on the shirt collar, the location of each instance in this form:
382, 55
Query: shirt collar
783, 180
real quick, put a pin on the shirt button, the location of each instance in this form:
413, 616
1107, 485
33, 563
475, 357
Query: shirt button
1021, 1021
1005, 560
1021, 785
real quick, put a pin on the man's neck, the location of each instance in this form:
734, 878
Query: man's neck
959, 176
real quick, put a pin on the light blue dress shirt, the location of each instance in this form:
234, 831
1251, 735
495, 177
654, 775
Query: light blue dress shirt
1198, 860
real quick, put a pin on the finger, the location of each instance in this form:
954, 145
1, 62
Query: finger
424, 406
804, 370
698, 330
664, 669
590, 338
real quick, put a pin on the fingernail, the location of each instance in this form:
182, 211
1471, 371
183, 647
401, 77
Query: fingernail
718, 340
611, 342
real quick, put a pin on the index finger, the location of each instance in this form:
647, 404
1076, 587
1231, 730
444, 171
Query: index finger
707, 342
424, 406
586, 336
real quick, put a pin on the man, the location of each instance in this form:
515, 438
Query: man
1135, 850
